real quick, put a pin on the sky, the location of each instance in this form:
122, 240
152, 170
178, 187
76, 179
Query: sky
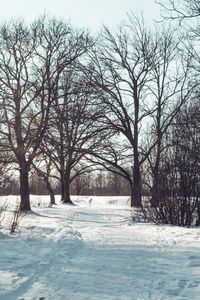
82, 13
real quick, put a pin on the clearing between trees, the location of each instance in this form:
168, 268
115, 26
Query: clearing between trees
83, 251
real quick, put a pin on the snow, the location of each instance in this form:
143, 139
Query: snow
95, 252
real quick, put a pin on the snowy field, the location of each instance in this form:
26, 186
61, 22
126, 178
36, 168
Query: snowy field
96, 252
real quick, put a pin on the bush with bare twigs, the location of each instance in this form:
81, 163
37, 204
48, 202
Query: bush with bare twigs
15, 220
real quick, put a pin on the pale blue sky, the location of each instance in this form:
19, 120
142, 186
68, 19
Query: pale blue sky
82, 13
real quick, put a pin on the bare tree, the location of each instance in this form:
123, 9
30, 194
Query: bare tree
170, 89
180, 10
141, 81
186, 139
122, 70
179, 185
17, 93
73, 127
187, 14
31, 61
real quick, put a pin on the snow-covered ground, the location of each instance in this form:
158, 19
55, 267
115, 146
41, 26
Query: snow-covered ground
96, 252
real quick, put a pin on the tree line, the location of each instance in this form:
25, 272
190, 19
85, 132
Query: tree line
126, 101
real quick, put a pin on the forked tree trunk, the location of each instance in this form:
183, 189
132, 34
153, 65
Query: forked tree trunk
24, 189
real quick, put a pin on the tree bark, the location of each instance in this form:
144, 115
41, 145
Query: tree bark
51, 192
24, 189
155, 191
136, 198
62, 185
136, 193
66, 188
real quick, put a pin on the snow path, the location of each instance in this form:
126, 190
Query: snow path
82, 252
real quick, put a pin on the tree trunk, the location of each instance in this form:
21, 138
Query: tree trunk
51, 192
62, 188
155, 191
136, 198
66, 188
24, 189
